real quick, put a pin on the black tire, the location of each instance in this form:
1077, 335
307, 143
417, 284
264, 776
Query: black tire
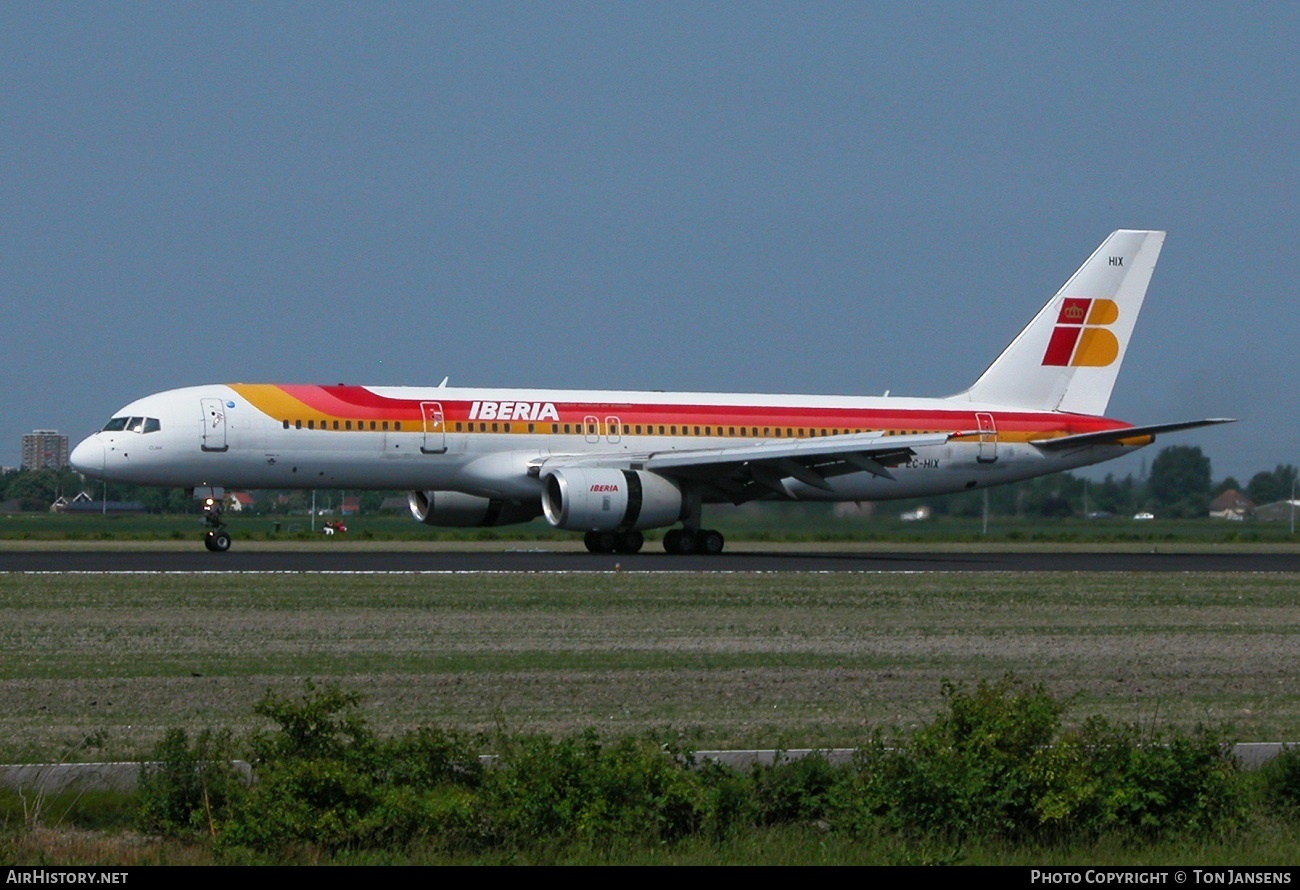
680, 541
594, 542
710, 543
217, 541
630, 542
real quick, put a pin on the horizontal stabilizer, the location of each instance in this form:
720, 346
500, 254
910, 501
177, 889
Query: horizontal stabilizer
1130, 432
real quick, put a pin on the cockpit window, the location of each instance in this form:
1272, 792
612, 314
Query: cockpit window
133, 425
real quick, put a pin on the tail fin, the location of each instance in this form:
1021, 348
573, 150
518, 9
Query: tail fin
1068, 357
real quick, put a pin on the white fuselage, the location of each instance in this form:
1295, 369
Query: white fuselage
483, 442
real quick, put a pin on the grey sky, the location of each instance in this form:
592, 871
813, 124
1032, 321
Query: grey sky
841, 198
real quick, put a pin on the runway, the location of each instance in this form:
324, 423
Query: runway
522, 559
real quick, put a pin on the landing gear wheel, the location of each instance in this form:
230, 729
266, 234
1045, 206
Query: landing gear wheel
680, 541
599, 542
629, 542
218, 541
710, 543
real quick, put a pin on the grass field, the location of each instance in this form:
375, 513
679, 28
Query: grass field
761, 660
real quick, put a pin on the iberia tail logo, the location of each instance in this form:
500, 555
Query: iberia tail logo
1081, 338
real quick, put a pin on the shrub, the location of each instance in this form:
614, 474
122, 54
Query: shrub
1281, 780
582, 789
1157, 783
189, 788
792, 790
321, 723
996, 765
325, 780
970, 771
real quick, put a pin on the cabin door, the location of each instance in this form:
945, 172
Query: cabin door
988, 452
435, 428
214, 425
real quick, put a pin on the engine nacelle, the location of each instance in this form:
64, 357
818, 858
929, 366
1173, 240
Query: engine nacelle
605, 500
452, 509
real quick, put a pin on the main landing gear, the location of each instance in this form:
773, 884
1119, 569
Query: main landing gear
217, 538
614, 542
678, 541
683, 541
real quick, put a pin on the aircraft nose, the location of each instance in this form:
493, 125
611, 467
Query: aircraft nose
88, 457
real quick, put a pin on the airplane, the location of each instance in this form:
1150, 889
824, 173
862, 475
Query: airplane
613, 464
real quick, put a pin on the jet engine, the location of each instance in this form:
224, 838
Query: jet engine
452, 509
600, 499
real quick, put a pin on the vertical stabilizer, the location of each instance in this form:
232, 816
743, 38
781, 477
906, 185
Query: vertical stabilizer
1068, 357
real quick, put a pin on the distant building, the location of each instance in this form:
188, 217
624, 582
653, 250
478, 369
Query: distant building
1279, 511
45, 450
1231, 504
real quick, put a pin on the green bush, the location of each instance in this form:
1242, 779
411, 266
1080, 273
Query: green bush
325, 780
1149, 783
320, 723
792, 791
189, 788
970, 771
583, 789
1281, 781
996, 765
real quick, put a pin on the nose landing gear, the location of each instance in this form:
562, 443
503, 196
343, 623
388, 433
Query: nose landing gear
217, 539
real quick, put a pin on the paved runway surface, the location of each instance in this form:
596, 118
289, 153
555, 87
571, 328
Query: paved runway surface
537, 560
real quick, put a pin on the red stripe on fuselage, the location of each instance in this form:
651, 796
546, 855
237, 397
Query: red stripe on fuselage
360, 403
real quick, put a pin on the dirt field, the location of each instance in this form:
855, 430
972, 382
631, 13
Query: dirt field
761, 660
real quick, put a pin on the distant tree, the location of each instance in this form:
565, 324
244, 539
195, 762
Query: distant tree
39, 488
1229, 484
1266, 487
372, 500
1179, 484
1117, 496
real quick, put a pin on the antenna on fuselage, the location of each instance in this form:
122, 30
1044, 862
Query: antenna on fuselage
443, 385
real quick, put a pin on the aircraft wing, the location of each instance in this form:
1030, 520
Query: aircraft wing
745, 472
1114, 436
